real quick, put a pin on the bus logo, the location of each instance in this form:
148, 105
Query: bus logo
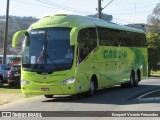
114, 54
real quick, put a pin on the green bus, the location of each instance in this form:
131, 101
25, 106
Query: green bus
70, 54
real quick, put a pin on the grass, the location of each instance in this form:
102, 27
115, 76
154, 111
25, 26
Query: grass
155, 73
9, 94
6, 89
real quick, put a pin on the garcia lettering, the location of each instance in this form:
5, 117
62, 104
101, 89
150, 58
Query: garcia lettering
114, 54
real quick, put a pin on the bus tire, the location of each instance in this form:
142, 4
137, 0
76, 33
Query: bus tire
139, 75
91, 91
136, 82
138, 78
92, 86
48, 96
132, 79
124, 85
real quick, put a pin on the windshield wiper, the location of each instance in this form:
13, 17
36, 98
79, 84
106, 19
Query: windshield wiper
44, 55
50, 59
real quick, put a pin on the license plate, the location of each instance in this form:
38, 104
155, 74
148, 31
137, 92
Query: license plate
16, 75
44, 89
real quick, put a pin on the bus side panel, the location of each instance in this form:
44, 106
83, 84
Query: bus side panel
141, 60
136, 59
112, 65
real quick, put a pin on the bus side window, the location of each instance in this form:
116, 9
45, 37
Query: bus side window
108, 37
87, 41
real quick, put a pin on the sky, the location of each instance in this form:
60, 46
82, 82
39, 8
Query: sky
123, 11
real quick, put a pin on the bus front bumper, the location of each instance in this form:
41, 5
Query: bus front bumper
45, 89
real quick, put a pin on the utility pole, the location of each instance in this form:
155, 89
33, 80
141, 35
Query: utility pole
135, 7
6, 34
99, 9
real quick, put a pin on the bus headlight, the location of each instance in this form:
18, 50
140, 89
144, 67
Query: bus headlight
68, 81
24, 82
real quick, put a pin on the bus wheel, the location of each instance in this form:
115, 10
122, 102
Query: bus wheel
132, 79
48, 96
92, 89
136, 82
138, 78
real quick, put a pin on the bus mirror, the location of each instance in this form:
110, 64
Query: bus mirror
73, 36
16, 37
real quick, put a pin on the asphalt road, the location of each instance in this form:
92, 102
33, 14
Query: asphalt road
112, 99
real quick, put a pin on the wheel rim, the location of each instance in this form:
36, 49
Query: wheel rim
137, 79
131, 81
91, 87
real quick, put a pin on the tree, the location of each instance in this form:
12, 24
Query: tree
15, 24
153, 43
154, 20
153, 39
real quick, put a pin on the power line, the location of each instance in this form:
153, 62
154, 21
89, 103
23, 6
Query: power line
54, 5
107, 4
100, 8
63, 7
116, 19
131, 13
28, 3
126, 10
132, 7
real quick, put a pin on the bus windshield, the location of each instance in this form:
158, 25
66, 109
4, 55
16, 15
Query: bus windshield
47, 50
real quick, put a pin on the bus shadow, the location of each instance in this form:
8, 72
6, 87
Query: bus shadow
115, 95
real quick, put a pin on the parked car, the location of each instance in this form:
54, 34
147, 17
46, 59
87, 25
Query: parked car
4, 68
14, 75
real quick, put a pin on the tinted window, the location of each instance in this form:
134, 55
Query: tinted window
5, 67
112, 37
87, 40
48, 50
16, 68
108, 37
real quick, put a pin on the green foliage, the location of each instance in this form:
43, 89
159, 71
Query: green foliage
153, 43
15, 24
153, 40
154, 20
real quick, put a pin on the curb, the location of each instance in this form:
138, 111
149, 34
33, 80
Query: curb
139, 95
140, 98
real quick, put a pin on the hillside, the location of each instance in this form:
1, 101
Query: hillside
16, 23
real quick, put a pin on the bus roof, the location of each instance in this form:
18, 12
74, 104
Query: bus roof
63, 20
